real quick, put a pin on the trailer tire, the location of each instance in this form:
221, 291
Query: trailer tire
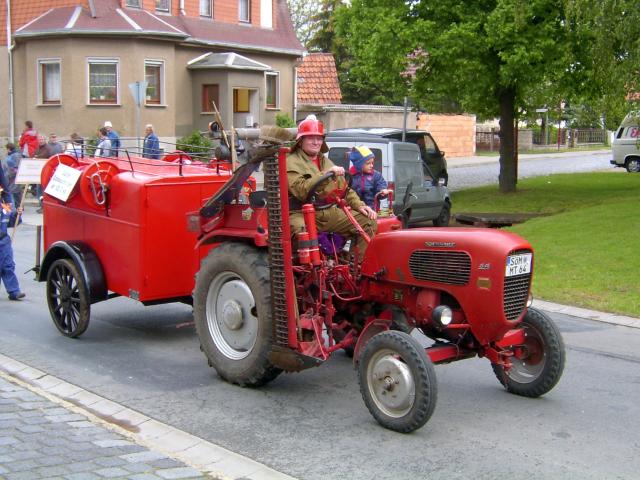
397, 381
540, 369
232, 310
68, 298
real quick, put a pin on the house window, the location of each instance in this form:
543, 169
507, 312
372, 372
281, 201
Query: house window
206, 9
163, 5
103, 81
273, 86
240, 100
154, 76
50, 86
209, 96
133, 3
244, 10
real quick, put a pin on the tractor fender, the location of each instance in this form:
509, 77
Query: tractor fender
372, 329
88, 263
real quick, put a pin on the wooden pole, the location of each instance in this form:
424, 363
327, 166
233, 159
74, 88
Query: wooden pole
20, 209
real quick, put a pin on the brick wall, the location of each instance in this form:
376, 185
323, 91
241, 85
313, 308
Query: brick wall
455, 134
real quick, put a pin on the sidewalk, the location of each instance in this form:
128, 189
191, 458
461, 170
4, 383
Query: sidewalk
51, 429
453, 162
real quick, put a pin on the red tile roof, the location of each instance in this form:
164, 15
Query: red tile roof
318, 80
111, 19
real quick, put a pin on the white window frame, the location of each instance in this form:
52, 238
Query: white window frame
103, 60
41, 93
275, 74
248, 11
210, 3
133, 3
155, 63
166, 9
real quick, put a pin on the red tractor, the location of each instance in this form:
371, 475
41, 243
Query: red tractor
265, 304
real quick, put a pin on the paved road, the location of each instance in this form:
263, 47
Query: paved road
476, 171
313, 425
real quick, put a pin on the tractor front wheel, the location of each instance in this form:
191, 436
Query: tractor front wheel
232, 310
538, 363
397, 381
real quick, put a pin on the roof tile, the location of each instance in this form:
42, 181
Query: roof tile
318, 80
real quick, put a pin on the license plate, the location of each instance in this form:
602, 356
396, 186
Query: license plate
518, 264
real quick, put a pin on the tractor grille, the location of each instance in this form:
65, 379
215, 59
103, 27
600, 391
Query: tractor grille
452, 268
516, 292
276, 256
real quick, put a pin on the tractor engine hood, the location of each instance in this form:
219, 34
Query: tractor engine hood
449, 256
487, 272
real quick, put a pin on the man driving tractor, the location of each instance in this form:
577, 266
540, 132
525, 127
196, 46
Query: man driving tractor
306, 166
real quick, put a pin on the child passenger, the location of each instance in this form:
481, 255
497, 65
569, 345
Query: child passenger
366, 181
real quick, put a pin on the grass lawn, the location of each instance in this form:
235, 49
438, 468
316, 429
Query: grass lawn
587, 244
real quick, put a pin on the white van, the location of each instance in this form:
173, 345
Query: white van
626, 144
400, 164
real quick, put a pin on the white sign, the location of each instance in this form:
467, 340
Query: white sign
62, 183
29, 171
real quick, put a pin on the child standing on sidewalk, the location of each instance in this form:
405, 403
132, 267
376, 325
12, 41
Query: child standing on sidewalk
7, 265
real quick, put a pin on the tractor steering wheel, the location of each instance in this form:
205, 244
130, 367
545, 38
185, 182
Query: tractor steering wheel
335, 195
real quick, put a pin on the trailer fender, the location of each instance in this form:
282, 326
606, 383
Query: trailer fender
87, 262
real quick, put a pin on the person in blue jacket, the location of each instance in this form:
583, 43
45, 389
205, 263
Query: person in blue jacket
7, 265
366, 181
114, 138
151, 147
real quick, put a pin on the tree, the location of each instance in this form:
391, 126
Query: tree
493, 57
302, 13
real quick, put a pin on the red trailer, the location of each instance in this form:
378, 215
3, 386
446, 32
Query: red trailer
123, 231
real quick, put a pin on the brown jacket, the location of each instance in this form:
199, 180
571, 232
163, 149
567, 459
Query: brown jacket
302, 174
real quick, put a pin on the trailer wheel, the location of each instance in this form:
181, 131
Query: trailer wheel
397, 381
68, 298
538, 369
232, 309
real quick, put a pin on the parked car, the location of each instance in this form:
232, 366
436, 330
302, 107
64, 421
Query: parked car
626, 144
401, 165
432, 156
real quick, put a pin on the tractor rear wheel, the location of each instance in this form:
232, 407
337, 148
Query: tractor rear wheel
538, 368
232, 310
397, 381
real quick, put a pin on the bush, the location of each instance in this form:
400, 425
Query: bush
284, 120
196, 144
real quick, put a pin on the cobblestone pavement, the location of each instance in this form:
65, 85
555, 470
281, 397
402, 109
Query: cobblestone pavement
39, 439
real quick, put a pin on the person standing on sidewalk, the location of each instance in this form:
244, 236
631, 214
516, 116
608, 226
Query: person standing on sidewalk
151, 147
7, 265
10, 166
56, 146
28, 140
114, 138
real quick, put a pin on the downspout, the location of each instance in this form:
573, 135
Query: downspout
182, 8
10, 46
295, 93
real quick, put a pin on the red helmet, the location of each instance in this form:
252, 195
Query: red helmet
310, 126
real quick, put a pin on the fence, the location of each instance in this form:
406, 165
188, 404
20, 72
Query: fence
489, 140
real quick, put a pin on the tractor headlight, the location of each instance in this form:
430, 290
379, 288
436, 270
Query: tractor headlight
530, 300
442, 315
